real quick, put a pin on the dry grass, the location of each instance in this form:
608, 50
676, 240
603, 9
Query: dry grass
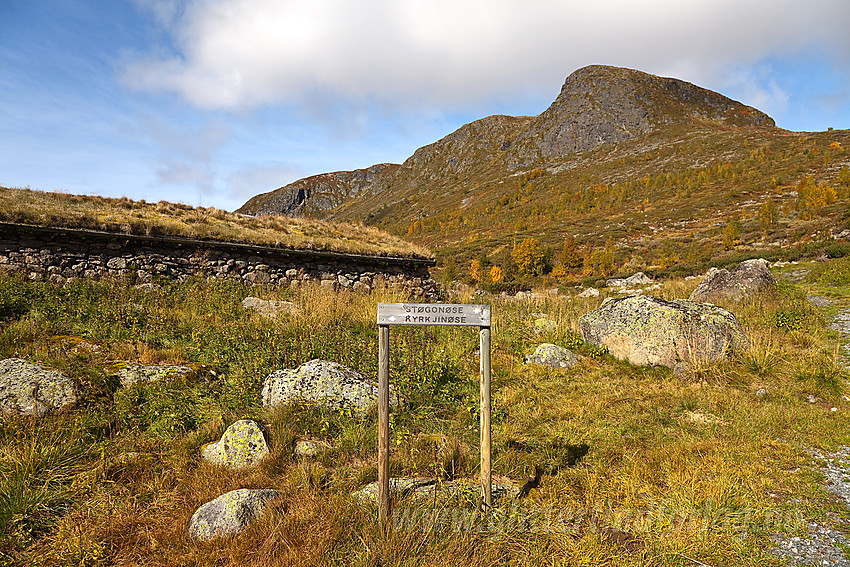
643, 467
174, 219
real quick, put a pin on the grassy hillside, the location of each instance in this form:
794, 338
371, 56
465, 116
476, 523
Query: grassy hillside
115, 481
662, 201
175, 219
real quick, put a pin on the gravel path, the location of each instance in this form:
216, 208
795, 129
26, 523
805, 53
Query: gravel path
822, 546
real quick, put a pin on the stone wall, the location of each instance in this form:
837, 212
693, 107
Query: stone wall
59, 254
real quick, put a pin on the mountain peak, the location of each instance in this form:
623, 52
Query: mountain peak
599, 104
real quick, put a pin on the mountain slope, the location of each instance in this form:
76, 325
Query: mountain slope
657, 165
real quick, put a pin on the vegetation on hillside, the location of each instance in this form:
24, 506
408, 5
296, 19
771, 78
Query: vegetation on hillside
661, 205
176, 219
708, 468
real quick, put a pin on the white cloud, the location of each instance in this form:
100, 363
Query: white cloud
253, 180
246, 53
760, 88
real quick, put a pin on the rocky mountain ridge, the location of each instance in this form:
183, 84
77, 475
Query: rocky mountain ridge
597, 105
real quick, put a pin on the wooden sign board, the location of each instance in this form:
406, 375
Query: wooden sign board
430, 314
433, 314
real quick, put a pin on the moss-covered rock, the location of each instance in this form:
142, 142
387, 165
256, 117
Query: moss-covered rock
242, 445
28, 388
647, 331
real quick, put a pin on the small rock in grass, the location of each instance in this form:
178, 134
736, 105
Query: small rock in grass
306, 449
241, 446
552, 356
544, 325
268, 307
589, 292
229, 514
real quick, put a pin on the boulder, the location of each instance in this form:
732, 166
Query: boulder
130, 374
647, 331
241, 446
740, 282
552, 356
325, 383
589, 292
636, 279
28, 388
229, 514
268, 307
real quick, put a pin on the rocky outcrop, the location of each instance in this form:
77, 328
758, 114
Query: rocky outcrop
603, 105
320, 192
552, 356
241, 446
229, 514
647, 331
27, 388
742, 281
325, 383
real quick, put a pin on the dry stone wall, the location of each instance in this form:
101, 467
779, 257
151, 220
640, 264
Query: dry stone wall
60, 254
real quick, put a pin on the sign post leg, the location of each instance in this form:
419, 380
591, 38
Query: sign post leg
484, 386
384, 511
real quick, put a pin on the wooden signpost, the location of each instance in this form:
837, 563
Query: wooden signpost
429, 314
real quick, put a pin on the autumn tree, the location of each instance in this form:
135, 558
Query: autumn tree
601, 261
529, 257
496, 275
475, 271
570, 257
731, 232
768, 214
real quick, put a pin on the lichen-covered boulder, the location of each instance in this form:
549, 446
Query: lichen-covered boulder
647, 331
28, 388
324, 383
242, 445
742, 281
552, 356
130, 374
229, 514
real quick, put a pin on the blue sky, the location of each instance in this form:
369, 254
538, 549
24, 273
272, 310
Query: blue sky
210, 102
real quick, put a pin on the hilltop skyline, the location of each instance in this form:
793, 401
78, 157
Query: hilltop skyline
210, 103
